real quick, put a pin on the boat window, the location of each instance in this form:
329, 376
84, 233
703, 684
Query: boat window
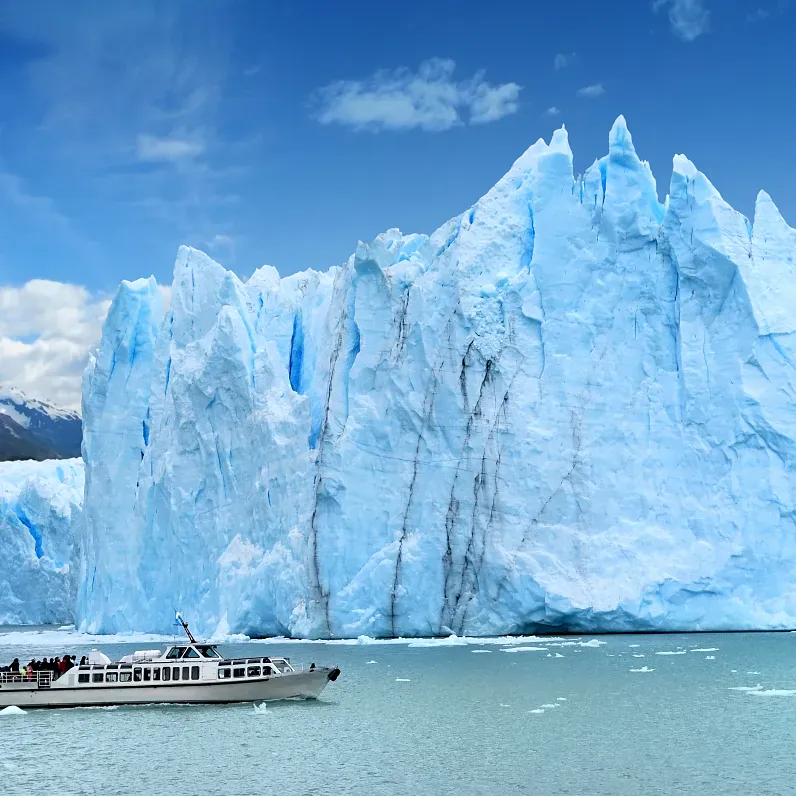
167, 673
175, 673
253, 671
111, 677
97, 677
83, 678
209, 652
185, 673
137, 675
238, 672
224, 674
147, 674
125, 677
156, 673
194, 672
175, 652
191, 653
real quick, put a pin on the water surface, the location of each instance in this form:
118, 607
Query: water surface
541, 717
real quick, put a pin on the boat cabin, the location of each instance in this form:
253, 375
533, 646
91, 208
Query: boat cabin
179, 664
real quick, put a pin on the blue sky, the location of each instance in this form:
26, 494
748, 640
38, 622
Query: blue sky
282, 132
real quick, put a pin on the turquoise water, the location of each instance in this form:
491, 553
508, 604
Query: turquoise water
443, 720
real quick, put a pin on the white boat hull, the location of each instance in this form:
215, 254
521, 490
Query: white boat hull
301, 685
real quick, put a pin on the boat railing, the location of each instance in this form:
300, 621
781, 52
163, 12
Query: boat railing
42, 679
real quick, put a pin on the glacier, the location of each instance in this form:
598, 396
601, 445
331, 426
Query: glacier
40, 514
571, 408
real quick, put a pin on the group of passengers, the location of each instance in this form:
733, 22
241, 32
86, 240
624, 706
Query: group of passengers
29, 671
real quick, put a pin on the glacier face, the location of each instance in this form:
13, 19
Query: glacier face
40, 510
571, 407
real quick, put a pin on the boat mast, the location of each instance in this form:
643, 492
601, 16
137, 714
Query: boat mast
185, 627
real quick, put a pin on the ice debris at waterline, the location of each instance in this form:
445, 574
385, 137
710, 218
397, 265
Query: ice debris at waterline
40, 508
571, 407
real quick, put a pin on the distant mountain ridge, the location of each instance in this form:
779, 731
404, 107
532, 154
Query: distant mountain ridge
33, 429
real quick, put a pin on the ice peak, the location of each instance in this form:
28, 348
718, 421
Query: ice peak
619, 138
560, 141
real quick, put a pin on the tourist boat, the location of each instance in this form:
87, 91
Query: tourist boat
185, 673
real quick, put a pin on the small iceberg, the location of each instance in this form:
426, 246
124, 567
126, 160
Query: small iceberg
261, 709
13, 710
643, 669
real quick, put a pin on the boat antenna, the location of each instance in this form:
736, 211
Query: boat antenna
185, 627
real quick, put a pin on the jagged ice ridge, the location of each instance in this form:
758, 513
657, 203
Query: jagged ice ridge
571, 407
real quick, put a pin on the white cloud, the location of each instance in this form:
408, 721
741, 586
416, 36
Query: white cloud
552, 111
152, 148
47, 329
402, 100
592, 92
689, 18
562, 60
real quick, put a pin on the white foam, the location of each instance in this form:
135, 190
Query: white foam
643, 669
12, 710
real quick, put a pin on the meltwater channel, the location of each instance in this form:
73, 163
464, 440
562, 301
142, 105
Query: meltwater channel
607, 716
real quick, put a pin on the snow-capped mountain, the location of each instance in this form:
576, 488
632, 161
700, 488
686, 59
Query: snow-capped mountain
33, 429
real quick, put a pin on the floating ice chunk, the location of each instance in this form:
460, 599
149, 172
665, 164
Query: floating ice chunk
705, 649
371, 661
503, 705
561, 699
634, 645
559, 655
593, 643
672, 652
480, 652
643, 669
550, 705
261, 709
366, 640
710, 657
536, 710
525, 649
774, 692
402, 680
753, 672
13, 710
746, 688
638, 655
